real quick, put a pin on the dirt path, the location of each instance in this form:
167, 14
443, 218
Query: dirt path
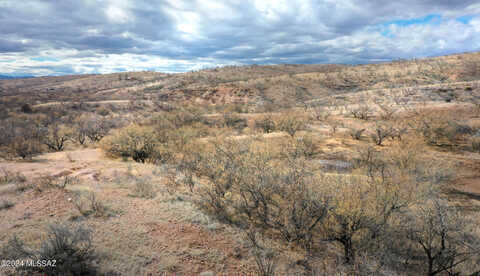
120, 102
164, 235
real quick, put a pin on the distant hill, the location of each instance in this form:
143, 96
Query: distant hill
265, 87
3, 77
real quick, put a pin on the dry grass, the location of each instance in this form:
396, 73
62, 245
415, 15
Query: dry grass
88, 203
5, 204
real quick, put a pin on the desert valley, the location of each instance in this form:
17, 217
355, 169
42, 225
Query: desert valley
245, 170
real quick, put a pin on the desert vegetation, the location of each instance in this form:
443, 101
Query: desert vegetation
257, 170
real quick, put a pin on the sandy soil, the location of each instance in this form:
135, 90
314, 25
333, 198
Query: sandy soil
165, 235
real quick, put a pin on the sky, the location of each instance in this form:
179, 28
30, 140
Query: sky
62, 37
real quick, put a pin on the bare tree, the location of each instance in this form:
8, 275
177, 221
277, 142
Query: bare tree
381, 132
442, 238
133, 141
20, 138
55, 137
363, 206
291, 123
386, 111
97, 128
362, 111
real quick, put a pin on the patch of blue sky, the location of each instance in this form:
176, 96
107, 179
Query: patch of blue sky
387, 33
44, 59
428, 19
465, 19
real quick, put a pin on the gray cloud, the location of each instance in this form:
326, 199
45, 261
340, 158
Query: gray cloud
173, 35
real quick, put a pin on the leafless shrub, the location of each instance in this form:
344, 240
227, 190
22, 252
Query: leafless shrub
398, 131
174, 132
440, 130
5, 204
143, 188
266, 124
88, 204
179, 139
321, 113
470, 71
367, 206
67, 181
257, 191
298, 147
475, 144
169, 263
96, 128
133, 141
234, 122
25, 147
386, 112
55, 137
65, 250
406, 156
440, 240
78, 132
103, 111
180, 118
476, 105
265, 258
334, 124
364, 207
291, 123
362, 112
366, 156
188, 164
356, 133
380, 133
7, 177
44, 183
18, 179
20, 138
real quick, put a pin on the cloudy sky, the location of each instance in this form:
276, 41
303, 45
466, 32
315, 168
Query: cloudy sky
58, 37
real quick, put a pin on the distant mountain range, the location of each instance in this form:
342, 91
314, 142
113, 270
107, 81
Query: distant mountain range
14, 77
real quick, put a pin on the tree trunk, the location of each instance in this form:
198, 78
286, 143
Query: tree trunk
348, 249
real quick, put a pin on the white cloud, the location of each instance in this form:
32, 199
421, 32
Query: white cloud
117, 11
177, 35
